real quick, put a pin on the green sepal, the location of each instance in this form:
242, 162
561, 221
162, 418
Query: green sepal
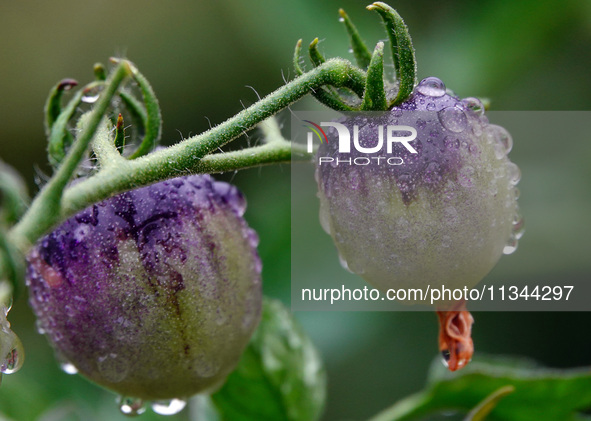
59, 136
375, 94
403, 52
53, 105
280, 376
328, 96
153, 121
13, 204
12, 264
297, 58
137, 113
331, 100
100, 74
120, 134
315, 56
53, 108
486, 103
360, 50
13, 195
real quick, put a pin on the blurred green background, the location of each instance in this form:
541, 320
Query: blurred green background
201, 56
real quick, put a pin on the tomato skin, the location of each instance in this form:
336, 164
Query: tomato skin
442, 217
153, 293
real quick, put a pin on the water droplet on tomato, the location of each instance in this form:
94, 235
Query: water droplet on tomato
170, 407
431, 86
131, 406
453, 119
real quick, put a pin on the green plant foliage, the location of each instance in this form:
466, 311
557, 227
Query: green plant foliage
280, 375
536, 392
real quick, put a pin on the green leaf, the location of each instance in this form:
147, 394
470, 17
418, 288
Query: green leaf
488, 404
280, 375
540, 393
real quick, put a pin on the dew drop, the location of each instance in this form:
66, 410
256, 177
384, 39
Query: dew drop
131, 406
207, 368
221, 317
68, 368
451, 216
474, 105
12, 351
112, 367
518, 228
171, 407
516, 192
405, 182
90, 99
465, 176
354, 180
514, 173
421, 123
445, 356
453, 119
493, 189
403, 229
450, 142
432, 173
39, 327
341, 19
499, 135
499, 150
13, 360
252, 237
505, 139
356, 267
7, 308
344, 263
324, 219
431, 86
350, 50
511, 246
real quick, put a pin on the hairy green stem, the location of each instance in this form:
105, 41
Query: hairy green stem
187, 157
270, 130
103, 143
